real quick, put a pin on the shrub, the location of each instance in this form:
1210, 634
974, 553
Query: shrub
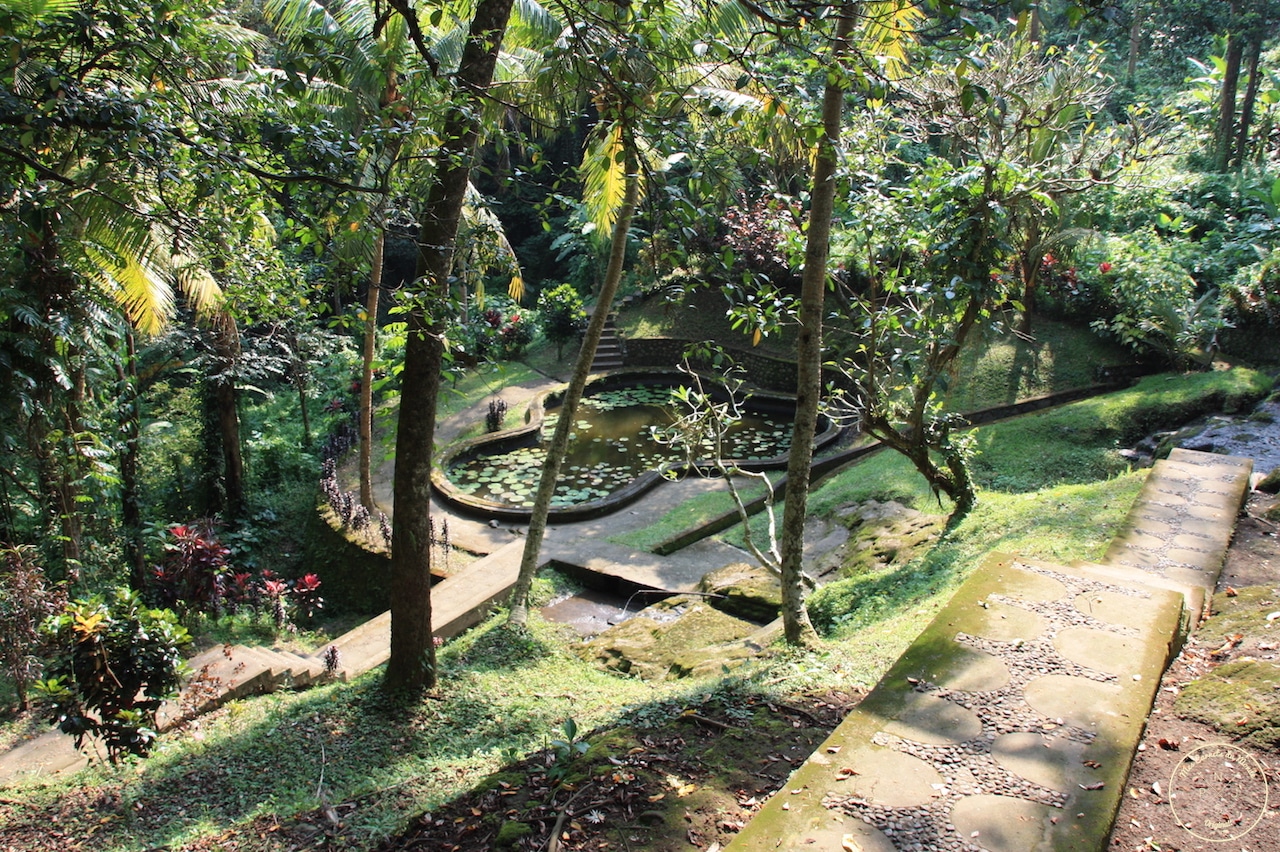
116, 664
26, 600
195, 569
501, 331
196, 576
1157, 310
563, 316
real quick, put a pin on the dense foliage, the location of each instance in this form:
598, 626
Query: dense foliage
117, 662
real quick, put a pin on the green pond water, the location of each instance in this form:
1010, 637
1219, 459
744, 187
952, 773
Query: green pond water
611, 444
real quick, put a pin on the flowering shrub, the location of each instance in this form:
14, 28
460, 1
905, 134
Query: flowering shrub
500, 331
196, 576
1152, 305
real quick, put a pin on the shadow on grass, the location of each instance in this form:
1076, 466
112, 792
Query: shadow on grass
272, 757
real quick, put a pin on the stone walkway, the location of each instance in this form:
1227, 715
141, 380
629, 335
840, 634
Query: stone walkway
1010, 723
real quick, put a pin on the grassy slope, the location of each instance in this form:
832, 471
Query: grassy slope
260, 760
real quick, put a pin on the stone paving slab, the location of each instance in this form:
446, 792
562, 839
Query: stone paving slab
1008, 725
1181, 524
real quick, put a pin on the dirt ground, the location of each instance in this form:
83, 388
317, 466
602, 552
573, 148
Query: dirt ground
1201, 786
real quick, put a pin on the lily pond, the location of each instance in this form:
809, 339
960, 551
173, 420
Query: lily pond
612, 443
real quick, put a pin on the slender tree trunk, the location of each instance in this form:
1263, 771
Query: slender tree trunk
1250, 99
573, 394
412, 665
1030, 260
1225, 134
130, 500
366, 368
813, 285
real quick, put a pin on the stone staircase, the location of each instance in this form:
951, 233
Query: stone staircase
1011, 722
225, 673
611, 353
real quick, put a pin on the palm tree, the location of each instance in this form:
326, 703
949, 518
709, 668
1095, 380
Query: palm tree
95, 240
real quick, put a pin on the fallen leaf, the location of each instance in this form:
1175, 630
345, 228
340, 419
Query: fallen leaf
848, 844
1273, 616
1093, 764
1168, 745
1230, 642
1231, 592
1097, 785
1155, 788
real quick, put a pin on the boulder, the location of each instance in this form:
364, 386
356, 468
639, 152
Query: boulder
675, 638
744, 591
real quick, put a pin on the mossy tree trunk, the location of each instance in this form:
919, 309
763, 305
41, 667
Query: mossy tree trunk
519, 614
795, 617
412, 665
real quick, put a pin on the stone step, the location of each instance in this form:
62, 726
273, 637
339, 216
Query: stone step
1181, 524
366, 647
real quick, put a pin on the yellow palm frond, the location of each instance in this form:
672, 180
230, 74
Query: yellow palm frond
198, 285
134, 281
888, 32
604, 172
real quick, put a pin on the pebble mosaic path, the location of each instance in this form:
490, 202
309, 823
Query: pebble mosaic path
1009, 725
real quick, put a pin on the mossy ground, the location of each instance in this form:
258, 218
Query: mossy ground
1240, 697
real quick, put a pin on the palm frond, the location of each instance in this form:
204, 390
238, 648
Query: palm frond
604, 177
125, 264
888, 33
532, 25
478, 212
197, 284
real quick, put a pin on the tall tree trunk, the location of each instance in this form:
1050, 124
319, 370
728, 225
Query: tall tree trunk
1250, 99
1030, 259
1139, 14
813, 285
1225, 134
366, 367
573, 394
412, 665
130, 499
226, 355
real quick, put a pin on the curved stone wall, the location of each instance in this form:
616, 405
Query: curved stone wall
529, 433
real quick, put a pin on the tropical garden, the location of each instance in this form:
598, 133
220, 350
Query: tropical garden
254, 251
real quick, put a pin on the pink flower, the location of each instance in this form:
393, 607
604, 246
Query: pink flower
1104, 267
308, 583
